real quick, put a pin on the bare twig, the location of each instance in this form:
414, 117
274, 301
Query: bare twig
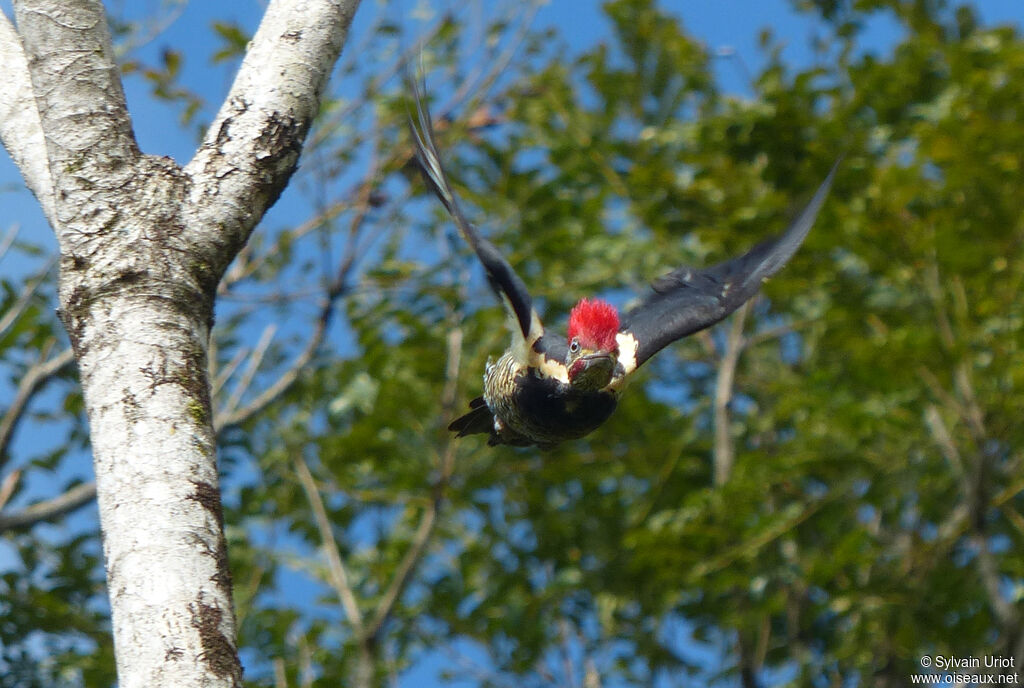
339, 575
306, 673
748, 667
1014, 517
942, 437
333, 291
12, 315
232, 416
972, 410
591, 676
245, 264
752, 545
330, 124
1004, 612
251, 367
8, 240
49, 509
568, 670
958, 522
226, 420
725, 451
404, 572
218, 380
933, 286
33, 380
7, 487
932, 382
483, 80
774, 333
973, 477
280, 678
152, 29
966, 516
764, 635
421, 539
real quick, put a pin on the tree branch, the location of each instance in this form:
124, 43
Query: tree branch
774, 333
81, 105
280, 678
47, 510
235, 416
974, 505
425, 530
12, 315
30, 384
339, 575
405, 570
1002, 609
253, 144
942, 437
21, 130
565, 652
12, 233
7, 488
591, 676
725, 451
338, 286
251, 367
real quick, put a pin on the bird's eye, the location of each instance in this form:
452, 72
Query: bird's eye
574, 345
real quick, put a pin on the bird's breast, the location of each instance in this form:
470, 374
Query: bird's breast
541, 409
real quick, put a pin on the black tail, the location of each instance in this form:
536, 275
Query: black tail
478, 420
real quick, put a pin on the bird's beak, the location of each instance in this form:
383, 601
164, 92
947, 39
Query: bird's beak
596, 358
592, 370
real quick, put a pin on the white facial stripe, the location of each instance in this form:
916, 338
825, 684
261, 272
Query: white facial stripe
627, 351
551, 368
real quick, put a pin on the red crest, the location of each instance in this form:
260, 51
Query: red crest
595, 323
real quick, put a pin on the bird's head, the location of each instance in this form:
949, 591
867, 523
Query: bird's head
593, 324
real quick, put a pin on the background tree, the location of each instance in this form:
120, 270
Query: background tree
819, 491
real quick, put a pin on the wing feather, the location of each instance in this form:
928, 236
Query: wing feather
502, 278
688, 300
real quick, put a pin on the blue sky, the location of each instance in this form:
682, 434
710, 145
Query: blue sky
728, 26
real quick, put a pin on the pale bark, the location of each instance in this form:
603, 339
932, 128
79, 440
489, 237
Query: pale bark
21, 132
143, 244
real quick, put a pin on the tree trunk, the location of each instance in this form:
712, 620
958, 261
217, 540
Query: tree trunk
143, 243
140, 340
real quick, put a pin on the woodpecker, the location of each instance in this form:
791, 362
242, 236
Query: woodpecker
546, 388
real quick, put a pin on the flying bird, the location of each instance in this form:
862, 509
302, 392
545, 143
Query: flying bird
547, 388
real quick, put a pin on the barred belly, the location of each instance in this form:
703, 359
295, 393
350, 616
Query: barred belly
530, 408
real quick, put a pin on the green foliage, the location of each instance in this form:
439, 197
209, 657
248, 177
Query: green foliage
234, 40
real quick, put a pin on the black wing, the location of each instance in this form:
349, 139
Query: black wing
687, 300
503, 279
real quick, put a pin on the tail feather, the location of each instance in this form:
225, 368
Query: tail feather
478, 420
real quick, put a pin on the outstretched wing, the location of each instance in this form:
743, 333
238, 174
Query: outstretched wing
687, 299
503, 279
